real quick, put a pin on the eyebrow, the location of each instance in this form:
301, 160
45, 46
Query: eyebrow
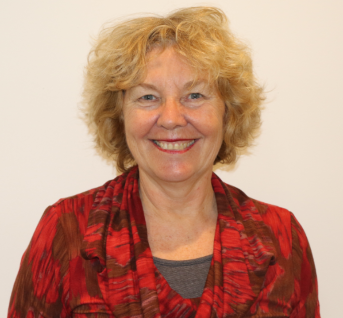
189, 84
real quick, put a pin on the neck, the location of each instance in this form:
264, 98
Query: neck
178, 201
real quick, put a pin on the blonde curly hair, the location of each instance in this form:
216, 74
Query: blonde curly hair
117, 62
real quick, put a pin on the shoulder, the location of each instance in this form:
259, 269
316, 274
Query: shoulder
270, 213
269, 220
83, 202
84, 199
63, 224
280, 221
72, 213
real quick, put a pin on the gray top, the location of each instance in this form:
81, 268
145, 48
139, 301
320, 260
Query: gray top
187, 278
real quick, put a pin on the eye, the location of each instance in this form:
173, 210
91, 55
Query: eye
194, 96
148, 97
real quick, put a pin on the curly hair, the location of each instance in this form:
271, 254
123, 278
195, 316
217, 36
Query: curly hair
117, 62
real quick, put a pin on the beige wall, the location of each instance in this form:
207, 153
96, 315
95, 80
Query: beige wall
46, 153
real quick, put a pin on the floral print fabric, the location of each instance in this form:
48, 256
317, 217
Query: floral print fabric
90, 257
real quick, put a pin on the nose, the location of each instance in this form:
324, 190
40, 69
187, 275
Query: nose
171, 114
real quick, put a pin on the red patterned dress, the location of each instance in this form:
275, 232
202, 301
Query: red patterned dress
90, 258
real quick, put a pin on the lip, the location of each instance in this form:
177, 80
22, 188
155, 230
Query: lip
173, 151
175, 140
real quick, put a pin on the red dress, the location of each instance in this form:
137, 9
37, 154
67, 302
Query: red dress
90, 257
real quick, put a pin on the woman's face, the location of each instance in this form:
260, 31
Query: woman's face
173, 130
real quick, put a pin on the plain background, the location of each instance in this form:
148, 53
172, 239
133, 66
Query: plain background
46, 153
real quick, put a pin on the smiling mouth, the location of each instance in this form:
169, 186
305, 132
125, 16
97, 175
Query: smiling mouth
174, 145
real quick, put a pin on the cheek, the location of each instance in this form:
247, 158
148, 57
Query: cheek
220, 118
212, 125
137, 124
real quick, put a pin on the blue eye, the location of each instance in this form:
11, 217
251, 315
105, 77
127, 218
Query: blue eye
148, 97
195, 95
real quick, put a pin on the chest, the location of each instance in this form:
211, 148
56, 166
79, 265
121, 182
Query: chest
270, 302
181, 242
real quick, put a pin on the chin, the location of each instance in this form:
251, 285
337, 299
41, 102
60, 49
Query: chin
175, 177
175, 174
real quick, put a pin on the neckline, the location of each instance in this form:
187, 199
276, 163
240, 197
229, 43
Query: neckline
187, 262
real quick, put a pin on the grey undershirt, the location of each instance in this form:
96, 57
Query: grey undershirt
187, 278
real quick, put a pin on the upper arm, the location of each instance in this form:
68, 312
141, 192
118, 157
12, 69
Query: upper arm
305, 277
41, 284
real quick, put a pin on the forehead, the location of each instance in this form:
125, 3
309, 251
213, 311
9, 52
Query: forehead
169, 65
157, 55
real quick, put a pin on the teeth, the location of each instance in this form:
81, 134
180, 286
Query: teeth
180, 145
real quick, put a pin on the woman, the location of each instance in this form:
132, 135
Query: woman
166, 98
